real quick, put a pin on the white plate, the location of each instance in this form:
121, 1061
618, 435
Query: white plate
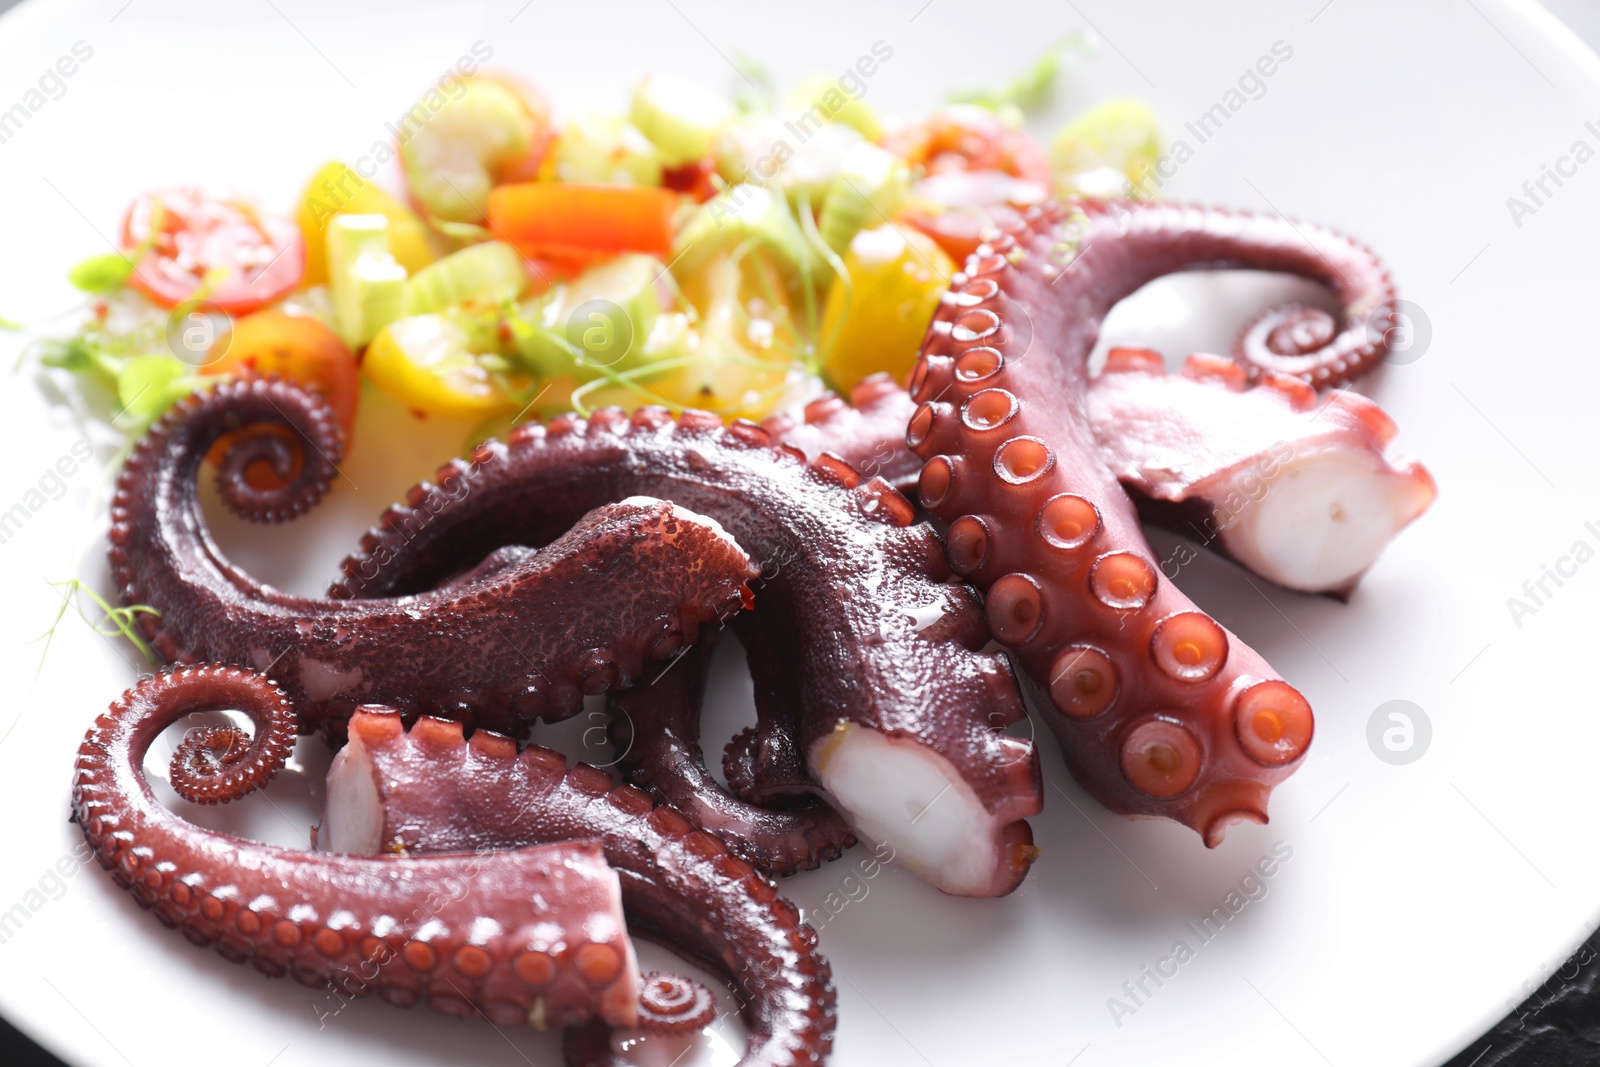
1421, 901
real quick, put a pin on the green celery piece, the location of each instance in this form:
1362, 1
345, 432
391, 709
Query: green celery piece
449, 160
491, 272
368, 286
605, 149
745, 213
869, 186
599, 320
683, 119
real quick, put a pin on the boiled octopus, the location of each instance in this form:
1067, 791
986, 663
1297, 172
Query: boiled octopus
430, 790
1197, 451
772, 812
516, 639
896, 712
463, 875
1159, 709
555, 952
897, 706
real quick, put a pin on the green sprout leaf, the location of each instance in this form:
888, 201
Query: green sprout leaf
148, 385
754, 92
101, 274
113, 621
9, 324
1033, 88
73, 354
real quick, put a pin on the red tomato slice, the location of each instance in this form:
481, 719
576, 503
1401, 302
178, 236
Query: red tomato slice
254, 258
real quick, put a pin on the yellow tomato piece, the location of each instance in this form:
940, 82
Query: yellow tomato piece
738, 358
426, 363
877, 322
338, 190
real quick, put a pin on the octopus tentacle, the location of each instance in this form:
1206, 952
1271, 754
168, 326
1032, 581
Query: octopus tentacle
765, 764
898, 702
672, 1004
1295, 488
1129, 243
854, 431
405, 927
432, 790
1159, 709
656, 727
629, 583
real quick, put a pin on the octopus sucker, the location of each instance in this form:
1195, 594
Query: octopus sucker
556, 949
876, 632
1040, 523
525, 636
431, 790
1293, 487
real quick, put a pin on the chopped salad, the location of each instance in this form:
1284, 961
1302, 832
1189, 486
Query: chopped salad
689, 250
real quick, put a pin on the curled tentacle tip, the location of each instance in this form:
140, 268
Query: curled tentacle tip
1305, 342
673, 1004
1217, 828
206, 767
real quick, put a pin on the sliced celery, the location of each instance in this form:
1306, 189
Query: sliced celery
784, 155
744, 214
601, 319
450, 156
368, 286
681, 118
1109, 151
491, 272
869, 186
604, 149
825, 96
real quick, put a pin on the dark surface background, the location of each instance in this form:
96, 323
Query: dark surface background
1558, 1026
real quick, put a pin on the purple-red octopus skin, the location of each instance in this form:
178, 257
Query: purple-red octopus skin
1159, 709
769, 813
1294, 487
869, 432
527, 935
631, 583
888, 651
430, 790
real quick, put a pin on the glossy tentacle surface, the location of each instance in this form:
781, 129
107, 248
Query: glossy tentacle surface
1296, 488
1159, 709
868, 432
429, 790
534, 934
512, 643
1125, 244
656, 728
889, 661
